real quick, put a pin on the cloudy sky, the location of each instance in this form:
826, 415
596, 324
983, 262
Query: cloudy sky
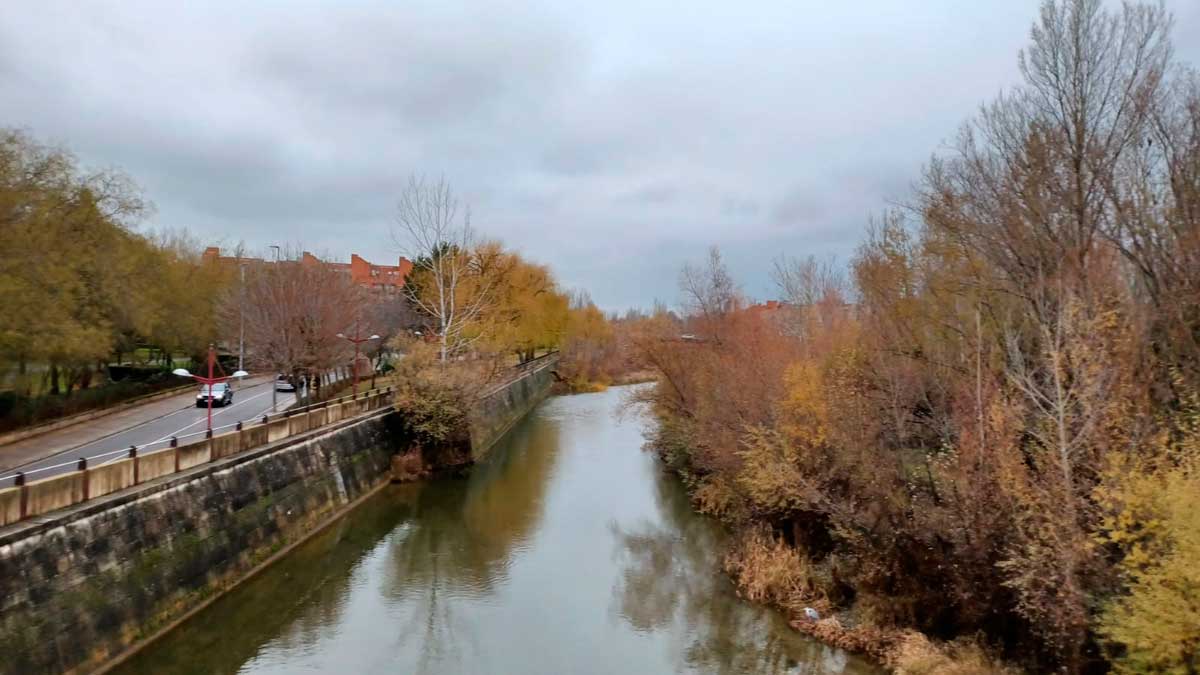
611, 140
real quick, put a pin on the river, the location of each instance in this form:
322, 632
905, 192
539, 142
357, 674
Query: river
568, 551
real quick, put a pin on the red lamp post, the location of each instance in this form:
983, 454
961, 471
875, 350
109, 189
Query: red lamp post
357, 341
210, 380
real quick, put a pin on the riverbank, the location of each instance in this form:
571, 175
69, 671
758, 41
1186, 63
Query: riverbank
597, 386
769, 571
532, 562
768, 565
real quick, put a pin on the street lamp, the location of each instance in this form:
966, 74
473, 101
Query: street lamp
210, 380
357, 341
242, 316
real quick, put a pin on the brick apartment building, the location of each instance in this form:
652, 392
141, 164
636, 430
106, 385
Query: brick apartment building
384, 280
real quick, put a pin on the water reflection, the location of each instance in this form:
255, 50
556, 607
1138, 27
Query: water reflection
568, 551
292, 604
671, 578
457, 546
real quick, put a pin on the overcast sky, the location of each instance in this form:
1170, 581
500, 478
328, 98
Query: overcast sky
611, 140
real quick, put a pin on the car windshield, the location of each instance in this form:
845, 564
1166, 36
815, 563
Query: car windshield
217, 389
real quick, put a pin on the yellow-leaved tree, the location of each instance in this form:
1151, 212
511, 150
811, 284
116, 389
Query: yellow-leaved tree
1153, 519
528, 312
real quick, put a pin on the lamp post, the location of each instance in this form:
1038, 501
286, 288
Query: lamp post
242, 316
210, 380
357, 341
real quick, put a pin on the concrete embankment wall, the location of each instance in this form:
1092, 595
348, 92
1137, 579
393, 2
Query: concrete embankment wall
497, 412
80, 585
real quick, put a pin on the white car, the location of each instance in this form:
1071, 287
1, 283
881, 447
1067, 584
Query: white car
282, 383
220, 393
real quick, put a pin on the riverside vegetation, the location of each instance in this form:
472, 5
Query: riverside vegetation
981, 445
83, 288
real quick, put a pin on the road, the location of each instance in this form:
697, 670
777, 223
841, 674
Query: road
149, 426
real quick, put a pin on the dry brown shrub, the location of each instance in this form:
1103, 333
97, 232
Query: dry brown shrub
767, 570
917, 655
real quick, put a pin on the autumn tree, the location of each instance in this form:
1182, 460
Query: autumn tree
292, 314
528, 311
70, 264
589, 352
434, 228
189, 320
995, 437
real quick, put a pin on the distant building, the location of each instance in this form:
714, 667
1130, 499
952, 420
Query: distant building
384, 280
792, 318
768, 307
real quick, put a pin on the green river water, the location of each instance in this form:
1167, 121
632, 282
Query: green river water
567, 551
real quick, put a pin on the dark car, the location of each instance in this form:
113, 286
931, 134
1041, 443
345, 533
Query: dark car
220, 393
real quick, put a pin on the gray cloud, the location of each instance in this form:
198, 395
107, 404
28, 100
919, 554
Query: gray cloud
609, 140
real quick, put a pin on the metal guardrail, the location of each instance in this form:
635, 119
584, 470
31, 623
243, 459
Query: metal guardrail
77, 485
521, 370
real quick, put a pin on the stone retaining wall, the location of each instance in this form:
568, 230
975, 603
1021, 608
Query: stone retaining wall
496, 413
79, 585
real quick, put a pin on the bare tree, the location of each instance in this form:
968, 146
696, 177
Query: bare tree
435, 231
291, 314
1064, 384
808, 281
815, 289
1026, 190
709, 290
1154, 197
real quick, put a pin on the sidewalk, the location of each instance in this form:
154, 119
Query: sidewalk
19, 453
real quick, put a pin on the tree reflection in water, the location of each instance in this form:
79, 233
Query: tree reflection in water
459, 542
671, 581
509, 570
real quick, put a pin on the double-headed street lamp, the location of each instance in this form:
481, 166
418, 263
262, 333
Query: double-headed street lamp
210, 380
357, 341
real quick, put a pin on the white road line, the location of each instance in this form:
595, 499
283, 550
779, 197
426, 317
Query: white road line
202, 419
283, 402
33, 466
205, 418
81, 446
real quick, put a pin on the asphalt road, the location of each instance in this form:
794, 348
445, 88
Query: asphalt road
149, 427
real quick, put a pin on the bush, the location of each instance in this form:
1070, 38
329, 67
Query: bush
435, 398
768, 570
1156, 627
916, 655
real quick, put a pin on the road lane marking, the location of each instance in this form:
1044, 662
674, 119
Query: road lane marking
205, 418
283, 401
202, 419
35, 464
